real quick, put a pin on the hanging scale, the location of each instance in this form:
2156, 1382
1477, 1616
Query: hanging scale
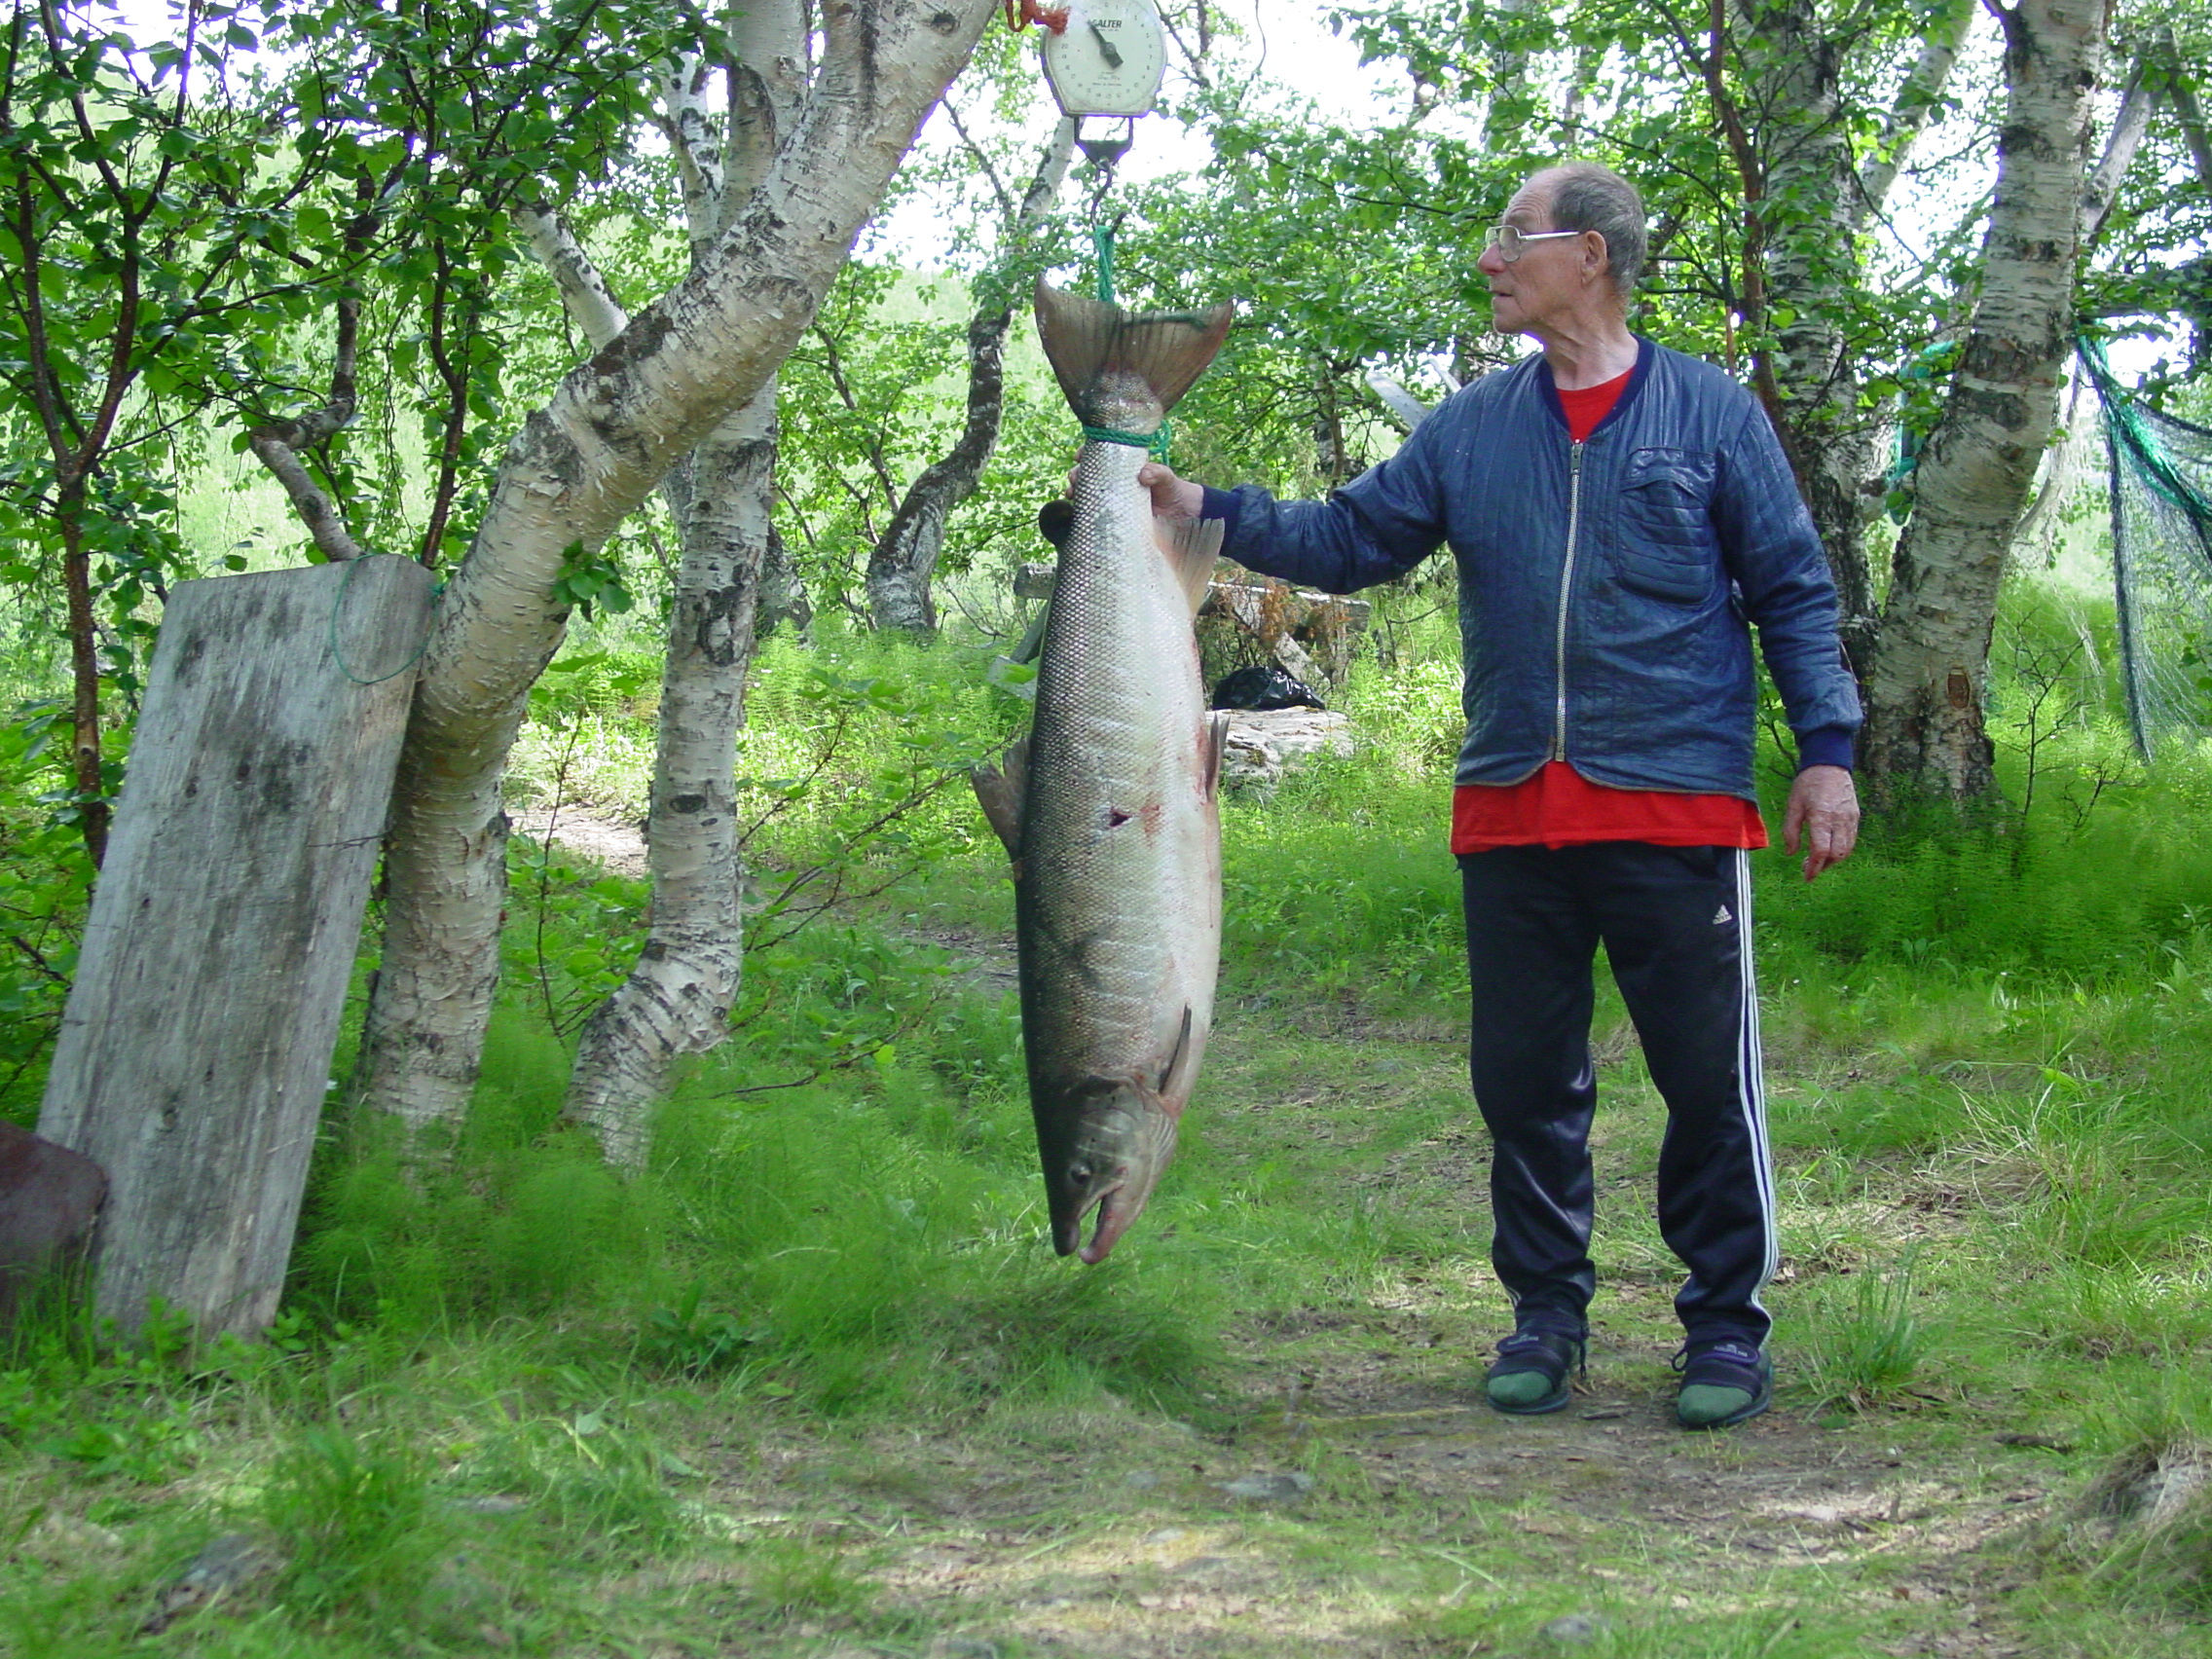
1102, 57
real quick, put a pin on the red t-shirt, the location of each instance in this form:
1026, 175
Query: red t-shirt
1591, 404
1559, 808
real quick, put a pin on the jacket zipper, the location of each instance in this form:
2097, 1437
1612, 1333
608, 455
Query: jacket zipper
1566, 582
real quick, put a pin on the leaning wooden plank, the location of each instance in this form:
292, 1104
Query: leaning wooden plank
196, 1047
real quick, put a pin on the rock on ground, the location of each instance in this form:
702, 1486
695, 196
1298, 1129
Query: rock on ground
1264, 747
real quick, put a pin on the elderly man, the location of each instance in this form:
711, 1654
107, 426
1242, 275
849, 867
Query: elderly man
1618, 513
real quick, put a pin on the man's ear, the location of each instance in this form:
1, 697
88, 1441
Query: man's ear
1594, 265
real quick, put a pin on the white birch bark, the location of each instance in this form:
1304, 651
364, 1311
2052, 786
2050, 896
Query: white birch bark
1916, 104
677, 998
1794, 63
2129, 124
1924, 730
1510, 91
784, 600
2035, 541
591, 306
612, 429
1581, 78
2190, 115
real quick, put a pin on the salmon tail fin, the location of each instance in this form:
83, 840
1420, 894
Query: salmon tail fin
1092, 344
1192, 546
999, 791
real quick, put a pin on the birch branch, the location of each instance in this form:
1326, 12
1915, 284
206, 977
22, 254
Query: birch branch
1917, 101
588, 457
982, 157
2192, 118
583, 291
277, 445
683, 122
2101, 189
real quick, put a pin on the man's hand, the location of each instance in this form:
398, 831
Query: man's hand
1824, 810
1172, 496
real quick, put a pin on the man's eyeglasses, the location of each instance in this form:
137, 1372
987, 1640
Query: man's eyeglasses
1510, 239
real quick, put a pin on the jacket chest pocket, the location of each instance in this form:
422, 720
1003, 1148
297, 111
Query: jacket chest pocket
1667, 549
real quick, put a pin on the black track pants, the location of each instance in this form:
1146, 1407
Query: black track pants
1677, 926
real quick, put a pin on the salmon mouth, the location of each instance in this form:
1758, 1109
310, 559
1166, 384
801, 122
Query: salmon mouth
1113, 1222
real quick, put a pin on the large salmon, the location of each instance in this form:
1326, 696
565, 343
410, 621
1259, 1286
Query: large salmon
1109, 805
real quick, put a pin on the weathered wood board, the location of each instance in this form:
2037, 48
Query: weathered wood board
196, 1047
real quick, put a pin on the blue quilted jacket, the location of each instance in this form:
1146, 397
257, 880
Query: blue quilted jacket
1605, 586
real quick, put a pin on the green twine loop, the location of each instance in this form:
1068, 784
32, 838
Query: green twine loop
1102, 239
1153, 444
338, 606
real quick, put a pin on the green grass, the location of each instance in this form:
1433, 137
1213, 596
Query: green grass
1865, 1342
813, 1381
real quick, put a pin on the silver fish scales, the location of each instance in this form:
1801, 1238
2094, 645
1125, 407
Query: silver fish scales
1109, 806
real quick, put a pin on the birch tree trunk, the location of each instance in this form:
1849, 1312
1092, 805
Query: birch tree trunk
1925, 732
784, 600
612, 431
904, 559
1793, 64
1814, 204
1511, 94
677, 998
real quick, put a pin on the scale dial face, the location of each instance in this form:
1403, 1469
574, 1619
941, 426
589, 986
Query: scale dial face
1109, 60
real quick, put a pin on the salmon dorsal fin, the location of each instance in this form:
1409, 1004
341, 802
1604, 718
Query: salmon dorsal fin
1094, 348
999, 791
1191, 545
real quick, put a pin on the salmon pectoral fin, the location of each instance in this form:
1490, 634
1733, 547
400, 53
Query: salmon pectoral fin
1210, 748
1177, 1073
1192, 545
999, 791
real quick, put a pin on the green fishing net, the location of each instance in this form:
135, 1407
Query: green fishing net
2162, 553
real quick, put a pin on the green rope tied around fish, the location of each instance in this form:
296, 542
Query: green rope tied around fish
1102, 239
1154, 443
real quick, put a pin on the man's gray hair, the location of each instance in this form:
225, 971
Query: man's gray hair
1587, 196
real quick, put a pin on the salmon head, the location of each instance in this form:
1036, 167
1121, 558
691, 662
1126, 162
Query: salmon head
1104, 1144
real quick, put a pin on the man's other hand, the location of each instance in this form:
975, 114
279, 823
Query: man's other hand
1822, 812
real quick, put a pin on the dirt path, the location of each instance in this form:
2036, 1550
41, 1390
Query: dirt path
618, 847
1364, 1501
1379, 1509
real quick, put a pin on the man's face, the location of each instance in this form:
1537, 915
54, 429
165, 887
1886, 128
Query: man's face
1545, 283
